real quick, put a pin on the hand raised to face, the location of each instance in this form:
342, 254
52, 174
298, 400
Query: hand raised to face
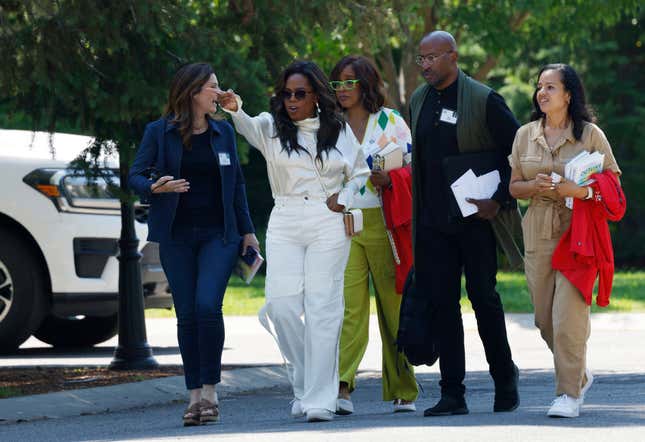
228, 100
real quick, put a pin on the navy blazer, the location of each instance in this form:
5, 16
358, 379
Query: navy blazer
162, 148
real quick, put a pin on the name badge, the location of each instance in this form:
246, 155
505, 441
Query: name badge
448, 116
224, 159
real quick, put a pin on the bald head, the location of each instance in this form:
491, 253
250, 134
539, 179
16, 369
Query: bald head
442, 38
438, 59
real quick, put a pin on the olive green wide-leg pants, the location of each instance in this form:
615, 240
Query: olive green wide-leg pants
371, 254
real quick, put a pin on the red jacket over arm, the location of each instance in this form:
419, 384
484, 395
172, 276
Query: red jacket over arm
397, 207
585, 250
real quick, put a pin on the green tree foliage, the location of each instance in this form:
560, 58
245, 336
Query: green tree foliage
489, 33
103, 67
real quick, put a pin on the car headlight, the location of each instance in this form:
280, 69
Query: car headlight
72, 191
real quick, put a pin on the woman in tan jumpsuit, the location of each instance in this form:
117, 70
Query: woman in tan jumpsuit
560, 129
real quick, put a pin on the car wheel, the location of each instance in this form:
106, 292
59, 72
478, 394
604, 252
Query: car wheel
23, 302
77, 332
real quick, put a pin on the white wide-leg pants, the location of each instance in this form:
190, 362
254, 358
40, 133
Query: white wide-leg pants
307, 251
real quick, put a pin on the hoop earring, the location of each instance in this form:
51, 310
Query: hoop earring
317, 108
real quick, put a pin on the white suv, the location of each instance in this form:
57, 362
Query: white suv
58, 245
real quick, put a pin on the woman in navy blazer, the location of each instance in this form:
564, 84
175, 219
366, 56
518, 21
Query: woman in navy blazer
188, 169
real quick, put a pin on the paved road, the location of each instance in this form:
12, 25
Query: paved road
615, 410
616, 344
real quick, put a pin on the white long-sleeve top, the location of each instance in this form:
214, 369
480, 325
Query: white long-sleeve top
344, 170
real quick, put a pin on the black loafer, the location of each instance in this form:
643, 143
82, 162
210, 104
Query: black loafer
447, 406
507, 396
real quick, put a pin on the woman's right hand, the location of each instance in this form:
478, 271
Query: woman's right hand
167, 184
228, 100
543, 183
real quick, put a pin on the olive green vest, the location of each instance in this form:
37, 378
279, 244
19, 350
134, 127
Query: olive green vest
472, 136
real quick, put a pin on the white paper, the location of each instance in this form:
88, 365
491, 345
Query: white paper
470, 185
488, 184
466, 187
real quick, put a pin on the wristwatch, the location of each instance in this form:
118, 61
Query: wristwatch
589, 193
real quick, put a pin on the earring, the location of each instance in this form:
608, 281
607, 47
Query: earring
317, 108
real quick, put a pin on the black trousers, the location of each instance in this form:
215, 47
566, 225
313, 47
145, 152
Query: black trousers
439, 260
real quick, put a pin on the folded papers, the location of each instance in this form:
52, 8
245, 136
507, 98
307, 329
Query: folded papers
476, 187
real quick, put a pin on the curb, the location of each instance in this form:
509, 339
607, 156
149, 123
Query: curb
121, 397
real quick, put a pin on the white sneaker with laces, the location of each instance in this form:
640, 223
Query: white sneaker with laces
344, 406
586, 386
401, 406
296, 408
319, 415
564, 406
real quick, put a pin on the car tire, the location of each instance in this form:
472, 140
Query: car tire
76, 332
23, 298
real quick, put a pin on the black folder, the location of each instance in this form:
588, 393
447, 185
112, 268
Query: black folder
480, 162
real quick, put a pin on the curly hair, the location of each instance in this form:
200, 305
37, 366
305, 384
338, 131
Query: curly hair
331, 120
577, 109
369, 79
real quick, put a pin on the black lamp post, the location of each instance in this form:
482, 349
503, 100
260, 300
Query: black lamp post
133, 351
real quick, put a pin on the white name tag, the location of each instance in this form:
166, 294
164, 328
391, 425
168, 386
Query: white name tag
448, 116
224, 159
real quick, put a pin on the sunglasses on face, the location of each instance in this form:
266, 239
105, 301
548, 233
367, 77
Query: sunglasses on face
300, 94
344, 85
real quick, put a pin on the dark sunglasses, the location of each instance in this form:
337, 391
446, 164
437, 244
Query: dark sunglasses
300, 94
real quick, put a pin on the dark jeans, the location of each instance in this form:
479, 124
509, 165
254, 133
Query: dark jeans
439, 260
198, 265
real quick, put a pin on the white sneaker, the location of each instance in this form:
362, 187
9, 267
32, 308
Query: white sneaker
319, 415
585, 388
296, 408
564, 406
344, 406
401, 407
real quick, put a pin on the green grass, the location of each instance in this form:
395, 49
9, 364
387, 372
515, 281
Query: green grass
6, 392
628, 295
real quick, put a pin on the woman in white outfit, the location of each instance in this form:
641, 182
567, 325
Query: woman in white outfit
314, 170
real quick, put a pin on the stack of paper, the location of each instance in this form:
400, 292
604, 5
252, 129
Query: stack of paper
472, 186
580, 168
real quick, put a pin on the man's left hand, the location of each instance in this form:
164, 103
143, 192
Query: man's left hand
486, 209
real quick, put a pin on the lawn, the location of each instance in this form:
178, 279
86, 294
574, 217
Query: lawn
628, 295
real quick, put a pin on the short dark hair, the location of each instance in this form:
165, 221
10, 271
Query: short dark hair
578, 110
369, 79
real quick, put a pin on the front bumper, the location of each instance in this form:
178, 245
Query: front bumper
156, 292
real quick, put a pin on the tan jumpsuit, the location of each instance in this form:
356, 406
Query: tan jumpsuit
561, 313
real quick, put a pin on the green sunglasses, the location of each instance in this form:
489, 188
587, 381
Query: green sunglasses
345, 85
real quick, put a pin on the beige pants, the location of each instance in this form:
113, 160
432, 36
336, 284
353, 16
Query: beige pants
562, 316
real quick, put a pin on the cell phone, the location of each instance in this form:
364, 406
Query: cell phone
249, 256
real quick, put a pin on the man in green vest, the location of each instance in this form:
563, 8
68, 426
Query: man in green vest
454, 116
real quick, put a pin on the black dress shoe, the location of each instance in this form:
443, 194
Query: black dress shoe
507, 397
447, 406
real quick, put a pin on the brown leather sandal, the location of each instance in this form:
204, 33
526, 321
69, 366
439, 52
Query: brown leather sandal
209, 411
192, 415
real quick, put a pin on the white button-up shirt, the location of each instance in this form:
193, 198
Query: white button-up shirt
344, 170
